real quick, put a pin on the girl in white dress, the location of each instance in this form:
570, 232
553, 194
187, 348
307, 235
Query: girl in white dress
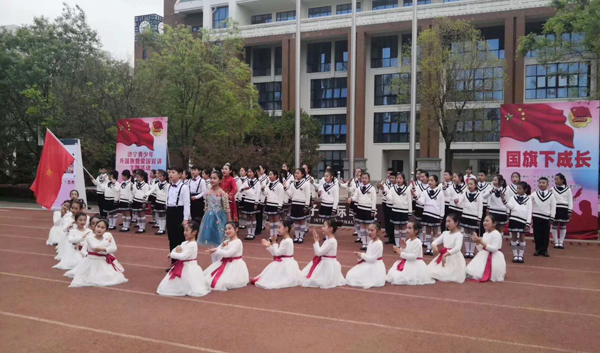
283, 272
99, 268
489, 263
230, 271
186, 276
370, 270
67, 223
56, 231
83, 245
72, 255
324, 271
411, 270
448, 265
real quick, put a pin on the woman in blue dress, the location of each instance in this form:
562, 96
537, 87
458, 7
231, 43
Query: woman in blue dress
216, 213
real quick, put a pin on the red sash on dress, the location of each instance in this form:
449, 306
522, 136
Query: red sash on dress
400, 266
361, 261
442, 252
219, 271
275, 259
178, 268
315, 262
487, 273
109, 259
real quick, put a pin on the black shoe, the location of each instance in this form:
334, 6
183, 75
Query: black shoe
242, 227
249, 237
152, 222
155, 226
140, 231
537, 253
112, 228
300, 241
521, 260
160, 232
363, 248
358, 240
120, 224
355, 234
423, 245
124, 230
515, 259
546, 254
296, 240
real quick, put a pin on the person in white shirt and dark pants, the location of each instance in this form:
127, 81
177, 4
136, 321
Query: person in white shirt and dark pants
178, 207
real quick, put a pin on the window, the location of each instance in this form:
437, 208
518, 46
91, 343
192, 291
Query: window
490, 166
333, 128
564, 80
261, 62
341, 55
329, 93
278, 60
384, 52
398, 165
219, 17
346, 8
385, 93
269, 95
487, 49
419, 2
384, 4
479, 125
334, 159
319, 11
266, 18
481, 84
286, 16
573, 41
392, 127
319, 57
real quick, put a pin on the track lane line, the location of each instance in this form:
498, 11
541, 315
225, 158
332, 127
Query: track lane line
317, 317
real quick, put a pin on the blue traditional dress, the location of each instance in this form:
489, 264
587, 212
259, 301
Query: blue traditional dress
212, 229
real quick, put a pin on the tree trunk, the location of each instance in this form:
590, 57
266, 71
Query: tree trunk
448, 156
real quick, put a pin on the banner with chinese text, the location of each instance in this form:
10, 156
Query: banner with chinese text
141, 144
548, 138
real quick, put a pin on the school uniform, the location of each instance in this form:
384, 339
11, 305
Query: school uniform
454, 270
456, 192
411, 269
289, 180
543, 213
230, 272
284, 271
239, 181
472, 205
489, 263
370, 270
324, 271
100, 183
563, 197
111, 197
274, 197
251, 196
401, 204
520, 208
186, 276
126, 196
419, 189
388, 205
496, 207
263, 180
160, 204
366, 204
432, 202
446, 188
152, 197
329, 193
139, 192
300, 194
483, 188
178, 210
197, 191
352, 187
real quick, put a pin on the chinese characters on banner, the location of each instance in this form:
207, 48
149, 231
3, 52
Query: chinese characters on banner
141, 144
343, 215
542, 140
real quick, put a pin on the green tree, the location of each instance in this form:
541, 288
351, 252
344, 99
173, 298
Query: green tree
453, 63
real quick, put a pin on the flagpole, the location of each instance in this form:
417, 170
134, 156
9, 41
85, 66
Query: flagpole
75, 159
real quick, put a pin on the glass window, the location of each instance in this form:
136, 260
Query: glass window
319, 57
479, 125
219, 17
490, 166
269, 95
341, 55
333, 128
286, 16
385, 91
384, 4
480, 84
565, 80
419, 2
392, 127
266, 18
346, 8
329, 93
319, 11
261, 62
384, 52
334, 159
278, 60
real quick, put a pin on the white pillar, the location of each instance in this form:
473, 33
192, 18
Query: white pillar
413, 92
297, 98
352, 75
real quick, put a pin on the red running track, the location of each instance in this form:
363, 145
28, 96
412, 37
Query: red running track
545, 305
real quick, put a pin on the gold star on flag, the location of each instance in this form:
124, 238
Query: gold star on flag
508, 117
49, 172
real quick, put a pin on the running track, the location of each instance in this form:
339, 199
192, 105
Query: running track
546, 305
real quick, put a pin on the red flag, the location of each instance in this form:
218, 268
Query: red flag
134, 132
524, 122
54, 163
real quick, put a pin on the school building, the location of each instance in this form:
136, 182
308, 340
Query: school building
382, 28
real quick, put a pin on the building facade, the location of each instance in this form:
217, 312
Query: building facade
383, 27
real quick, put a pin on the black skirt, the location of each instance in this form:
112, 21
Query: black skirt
160, 207
363, 216
399, 218
271, 210
298, 213
469, 223
152, 200
353, 209
124, 206
500, 218
516, 226
430, 221
417, 211
137, 206
249, 208
110, 206
326, 212
561, 216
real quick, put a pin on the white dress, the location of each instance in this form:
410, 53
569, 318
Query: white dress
56, 231
94, 269
284, 271
414, 271
67, 221
71, 255
192, 281
454, 271
370, 271
328, 271
228, 272
476, 267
